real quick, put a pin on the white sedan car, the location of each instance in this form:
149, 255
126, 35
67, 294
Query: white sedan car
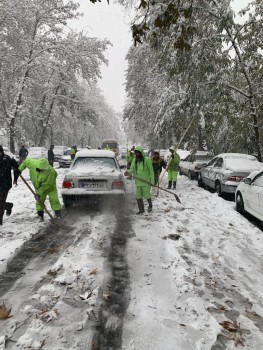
249, 195
93, 175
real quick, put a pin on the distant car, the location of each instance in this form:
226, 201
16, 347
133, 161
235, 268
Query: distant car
191, 165
182, 153
225, 171
94, 174
58, 152
10, 154
37, 152
249, 195
65, 159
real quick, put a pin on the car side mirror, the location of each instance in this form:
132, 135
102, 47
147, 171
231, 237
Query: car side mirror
204, 165
123, 166
247, 181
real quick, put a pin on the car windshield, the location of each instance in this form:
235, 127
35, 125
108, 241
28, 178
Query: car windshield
110, 145
35, 149
95, 162
202, 158
58, 149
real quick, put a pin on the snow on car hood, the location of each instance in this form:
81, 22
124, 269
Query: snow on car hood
242, 165
92, 170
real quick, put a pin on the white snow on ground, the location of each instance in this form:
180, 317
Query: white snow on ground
181, 286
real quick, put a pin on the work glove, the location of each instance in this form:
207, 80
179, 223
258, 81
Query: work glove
37, 197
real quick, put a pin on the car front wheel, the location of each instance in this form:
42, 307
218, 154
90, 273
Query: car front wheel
240, 203
218, 189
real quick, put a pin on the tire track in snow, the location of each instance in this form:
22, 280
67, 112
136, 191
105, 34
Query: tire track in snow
108, 334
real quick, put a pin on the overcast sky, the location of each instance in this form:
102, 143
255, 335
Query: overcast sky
110, 21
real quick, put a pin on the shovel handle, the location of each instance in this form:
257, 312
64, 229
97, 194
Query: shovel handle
161, 188
33, 192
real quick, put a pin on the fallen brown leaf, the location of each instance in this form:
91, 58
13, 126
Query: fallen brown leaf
94, 271
53, 250
52, 273
106, 296
230, 326
4, 312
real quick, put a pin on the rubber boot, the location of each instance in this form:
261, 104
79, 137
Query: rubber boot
58, 214
140, 206
8, 208
169, 185
41, 215
174, 184
150, 207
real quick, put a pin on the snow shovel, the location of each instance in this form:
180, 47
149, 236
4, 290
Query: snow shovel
40, 202
161, 188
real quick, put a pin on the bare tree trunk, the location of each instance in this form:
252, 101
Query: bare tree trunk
44, 130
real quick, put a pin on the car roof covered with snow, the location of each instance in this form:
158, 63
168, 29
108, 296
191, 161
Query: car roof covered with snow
236, 155
95, 153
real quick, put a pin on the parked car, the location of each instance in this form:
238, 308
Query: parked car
65, 160
225, 171
191, 165
94, 174
58, 152
37, 152
182, 153
249, 195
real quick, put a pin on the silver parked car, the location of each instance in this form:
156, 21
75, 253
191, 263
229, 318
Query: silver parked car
58, 152
191, 165
94, 174
225, 171
37, 152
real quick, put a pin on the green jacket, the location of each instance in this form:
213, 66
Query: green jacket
46, 181
31, 164
173, 163
142, 169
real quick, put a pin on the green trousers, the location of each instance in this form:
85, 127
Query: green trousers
143, 192
172, 175
53, 199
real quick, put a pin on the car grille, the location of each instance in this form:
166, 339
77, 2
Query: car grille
93, 184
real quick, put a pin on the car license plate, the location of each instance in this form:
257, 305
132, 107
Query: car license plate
93, 184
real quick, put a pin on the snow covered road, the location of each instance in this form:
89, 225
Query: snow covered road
112, 280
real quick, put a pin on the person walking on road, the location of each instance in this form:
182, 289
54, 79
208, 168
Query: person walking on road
7, 164
158, 165
51, 155
72, 152
23, 153
172, 167
142, 168
43, 177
